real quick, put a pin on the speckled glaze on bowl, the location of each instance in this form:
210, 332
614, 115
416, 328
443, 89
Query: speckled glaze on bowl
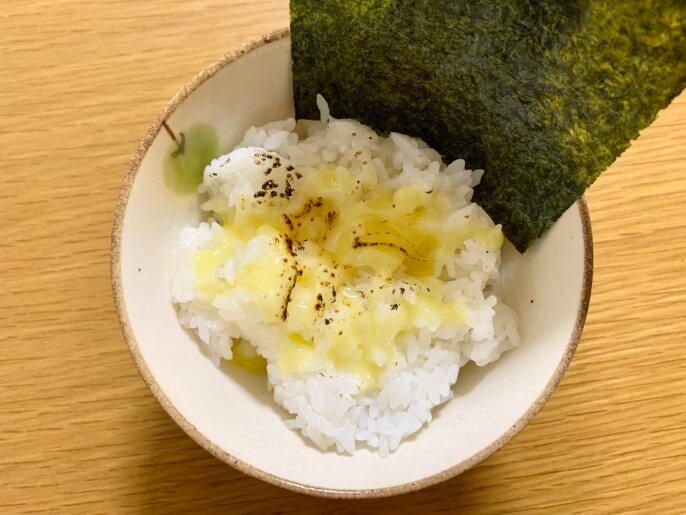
230, 412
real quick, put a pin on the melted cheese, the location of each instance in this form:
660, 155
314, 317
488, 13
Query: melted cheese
334, 264
246, 357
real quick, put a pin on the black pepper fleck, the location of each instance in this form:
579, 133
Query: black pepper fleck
289, 189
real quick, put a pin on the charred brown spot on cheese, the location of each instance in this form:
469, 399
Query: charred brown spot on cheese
289, 292
287, 220
357, 243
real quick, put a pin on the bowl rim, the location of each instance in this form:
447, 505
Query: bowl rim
211, 447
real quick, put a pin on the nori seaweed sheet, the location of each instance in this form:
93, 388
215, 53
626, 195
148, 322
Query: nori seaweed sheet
543, 95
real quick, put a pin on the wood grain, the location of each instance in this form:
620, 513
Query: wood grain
80, 81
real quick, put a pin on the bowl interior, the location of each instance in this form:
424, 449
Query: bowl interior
231, 413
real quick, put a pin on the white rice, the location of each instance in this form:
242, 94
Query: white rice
330, 407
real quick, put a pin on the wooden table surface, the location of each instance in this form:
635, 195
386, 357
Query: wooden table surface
80, 81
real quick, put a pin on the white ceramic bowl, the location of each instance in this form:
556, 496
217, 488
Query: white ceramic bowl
230, 413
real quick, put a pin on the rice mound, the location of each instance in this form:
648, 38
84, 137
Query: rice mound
332, 407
